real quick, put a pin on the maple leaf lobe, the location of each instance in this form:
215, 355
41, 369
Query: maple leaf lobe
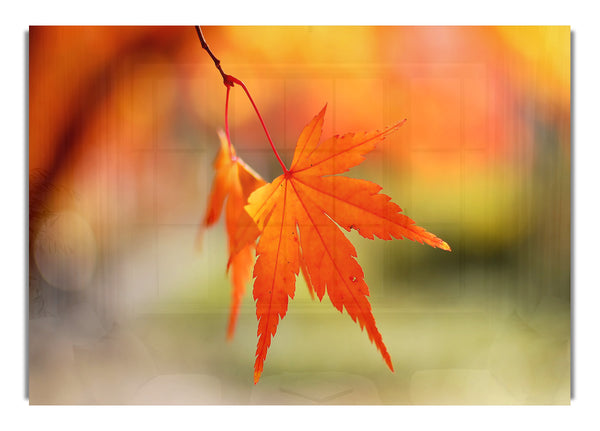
234, 181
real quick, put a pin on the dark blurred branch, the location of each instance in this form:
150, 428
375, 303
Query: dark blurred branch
68, 141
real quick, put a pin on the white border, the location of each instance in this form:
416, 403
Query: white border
586, 74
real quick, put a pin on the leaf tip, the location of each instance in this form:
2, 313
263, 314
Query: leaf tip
444, 246
388, 360
257, 376
321, 114
399, 124
231, 326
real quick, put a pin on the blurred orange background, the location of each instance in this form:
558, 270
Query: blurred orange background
123, 130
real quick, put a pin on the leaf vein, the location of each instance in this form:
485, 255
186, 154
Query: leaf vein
325, 247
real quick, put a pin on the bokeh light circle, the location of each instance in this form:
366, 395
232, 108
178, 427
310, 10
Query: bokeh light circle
65, 251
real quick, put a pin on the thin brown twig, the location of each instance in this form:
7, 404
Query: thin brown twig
226, 78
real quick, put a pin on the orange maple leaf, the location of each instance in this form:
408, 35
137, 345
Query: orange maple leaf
297, 214
234, 180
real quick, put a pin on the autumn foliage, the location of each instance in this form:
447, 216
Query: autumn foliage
296, 219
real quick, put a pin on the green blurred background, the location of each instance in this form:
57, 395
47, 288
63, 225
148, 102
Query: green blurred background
125, 310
